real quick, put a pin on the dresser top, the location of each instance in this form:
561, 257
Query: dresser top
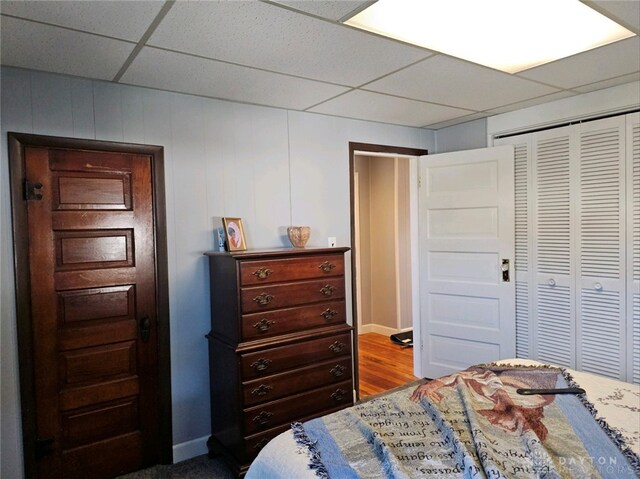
276, 252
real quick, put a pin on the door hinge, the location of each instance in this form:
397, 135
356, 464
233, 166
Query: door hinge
419, 181
32, 191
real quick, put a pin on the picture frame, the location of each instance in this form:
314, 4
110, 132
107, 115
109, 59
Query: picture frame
234, 234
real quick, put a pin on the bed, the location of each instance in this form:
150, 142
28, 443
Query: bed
471, 424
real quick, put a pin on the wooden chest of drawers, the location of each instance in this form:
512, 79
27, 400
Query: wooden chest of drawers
280, 349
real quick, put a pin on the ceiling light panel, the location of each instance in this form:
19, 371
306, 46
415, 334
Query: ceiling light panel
506, 35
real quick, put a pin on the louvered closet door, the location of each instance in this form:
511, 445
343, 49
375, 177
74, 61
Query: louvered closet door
554, 327
633, 247
523, 241
601, 249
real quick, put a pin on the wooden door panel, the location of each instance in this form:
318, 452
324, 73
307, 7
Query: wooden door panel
91, 365
97, 334
99, 393
86, 191
97, 303
64, 220
96, 459
93, 249
92, 160
95, 278
86, 426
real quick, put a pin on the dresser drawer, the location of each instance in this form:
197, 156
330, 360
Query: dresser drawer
290, 320
290, 269
278, 412
254, 444
290, 294
275, 360
296, 381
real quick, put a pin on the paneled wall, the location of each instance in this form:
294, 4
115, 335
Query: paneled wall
269, 166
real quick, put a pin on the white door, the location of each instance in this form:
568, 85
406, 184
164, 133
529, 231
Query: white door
466, 233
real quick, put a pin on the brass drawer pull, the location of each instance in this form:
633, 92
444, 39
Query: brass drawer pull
328, 290
328, 314
262, 273
261, 364
263, 418
327, 267
338, 395
338, 371
263, 325
262, 390
263, 298
337, 347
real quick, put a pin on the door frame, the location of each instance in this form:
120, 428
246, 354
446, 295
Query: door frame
17, 144
372, 148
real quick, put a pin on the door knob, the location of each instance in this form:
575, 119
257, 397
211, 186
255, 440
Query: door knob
145, 328
504, 267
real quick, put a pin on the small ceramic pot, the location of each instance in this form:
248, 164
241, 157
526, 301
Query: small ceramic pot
299, 235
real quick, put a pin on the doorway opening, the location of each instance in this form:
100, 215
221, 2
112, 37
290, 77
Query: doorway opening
384, 264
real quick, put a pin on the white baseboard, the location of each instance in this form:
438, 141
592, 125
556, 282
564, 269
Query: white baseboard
376, 328
189, 449
384, 330
365, 328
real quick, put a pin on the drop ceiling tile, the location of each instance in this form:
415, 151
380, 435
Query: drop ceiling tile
610, 61
624, 12
276, 39
126, 20
609, 83
41, 47
449, 81
330, 9
387, 109
533, 102
172, 71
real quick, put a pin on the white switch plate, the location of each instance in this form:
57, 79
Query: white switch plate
332, 241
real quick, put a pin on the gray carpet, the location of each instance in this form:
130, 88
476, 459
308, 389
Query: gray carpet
200, 467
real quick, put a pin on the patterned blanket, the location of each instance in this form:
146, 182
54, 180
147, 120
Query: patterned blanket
472, 424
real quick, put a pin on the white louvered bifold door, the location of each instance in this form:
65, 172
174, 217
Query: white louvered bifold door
633, 247
523, 241
577, 245
554, 251
601, 252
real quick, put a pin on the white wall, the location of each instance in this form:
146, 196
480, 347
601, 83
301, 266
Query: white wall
362, 167
269, 166
465, 136
383, 242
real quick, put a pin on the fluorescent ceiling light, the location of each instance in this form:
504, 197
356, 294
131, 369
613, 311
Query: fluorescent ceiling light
509, 35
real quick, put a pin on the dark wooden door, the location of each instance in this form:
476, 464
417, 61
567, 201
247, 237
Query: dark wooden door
93, 280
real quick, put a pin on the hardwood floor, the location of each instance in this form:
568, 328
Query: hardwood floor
383, 364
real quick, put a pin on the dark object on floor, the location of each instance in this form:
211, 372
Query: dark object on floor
200, 467
403, 339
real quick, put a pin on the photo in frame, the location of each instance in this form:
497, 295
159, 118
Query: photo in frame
234, 233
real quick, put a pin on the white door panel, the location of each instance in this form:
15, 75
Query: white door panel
466, 229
